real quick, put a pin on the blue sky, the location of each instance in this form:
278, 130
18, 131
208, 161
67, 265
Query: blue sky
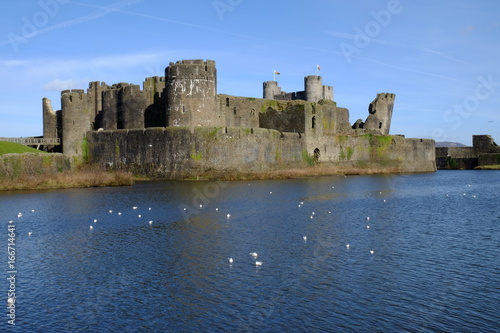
440, 58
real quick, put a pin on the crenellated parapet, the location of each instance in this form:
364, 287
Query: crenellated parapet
191, 87
314, 91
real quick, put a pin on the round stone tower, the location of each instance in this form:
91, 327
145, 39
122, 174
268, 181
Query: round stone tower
313, 88
191, 87
271, 89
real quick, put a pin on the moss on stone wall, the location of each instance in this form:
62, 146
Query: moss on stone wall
308, 159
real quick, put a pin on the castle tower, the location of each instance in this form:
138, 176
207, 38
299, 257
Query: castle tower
380, 109
191, 87
49, 119
271, 89
313, 85
77, 119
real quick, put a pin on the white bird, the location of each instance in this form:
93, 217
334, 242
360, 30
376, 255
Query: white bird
201, 206
304, 238
135, 207
302, 202
91, 227
367, 227
32, 210
119, 213
216, 209
19, 214
313, 213
30, 233
372, 252
254, 254
149, 208
329, 212
150, 222
95, 221
139, 216
110, 211
259, 263
299, 206
311, 217
228, 215
185, 208
384, 200
368, 218
230, 260
348, 246
270, 192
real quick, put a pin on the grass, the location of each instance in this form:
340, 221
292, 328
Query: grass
16, 148
82, 177
488, 167
293, 173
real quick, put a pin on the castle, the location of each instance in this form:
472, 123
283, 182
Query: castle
178, 126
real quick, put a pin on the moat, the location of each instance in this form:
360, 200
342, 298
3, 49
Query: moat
422, 257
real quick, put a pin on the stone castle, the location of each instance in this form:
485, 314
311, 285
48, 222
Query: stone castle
179, 126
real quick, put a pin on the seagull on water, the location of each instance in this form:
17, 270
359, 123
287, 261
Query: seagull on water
228, 216
372, 252
30, 233
254, 254
230, 260
259, 263
348, 246
135, 207
304, 238
91, 227
150, 222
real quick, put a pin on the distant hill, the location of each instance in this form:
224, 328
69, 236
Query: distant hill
16, 148
449, 144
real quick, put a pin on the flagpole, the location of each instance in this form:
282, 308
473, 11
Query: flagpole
274, 73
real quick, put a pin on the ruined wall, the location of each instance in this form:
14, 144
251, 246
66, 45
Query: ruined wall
240, 111
456, 158
485, 144
390, 152
379, 119
155, 114
284, 116
180, 152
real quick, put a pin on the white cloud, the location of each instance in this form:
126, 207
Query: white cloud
58, 84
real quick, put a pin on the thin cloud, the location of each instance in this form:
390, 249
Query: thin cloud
103, 11
401, 45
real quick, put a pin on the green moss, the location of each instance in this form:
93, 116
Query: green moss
85, 150
250, 98
117, 148
269, 104
308, 159
198, 156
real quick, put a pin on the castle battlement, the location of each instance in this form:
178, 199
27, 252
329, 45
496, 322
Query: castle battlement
185, 104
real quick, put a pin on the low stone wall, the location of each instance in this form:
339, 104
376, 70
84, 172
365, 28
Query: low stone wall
13, 166
488, 159
389, 153
180, 152
456, 158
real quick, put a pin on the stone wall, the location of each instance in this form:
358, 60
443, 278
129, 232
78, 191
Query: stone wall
182, 152
13, 166
390, 152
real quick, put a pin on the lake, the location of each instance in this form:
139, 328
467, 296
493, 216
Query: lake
386, 253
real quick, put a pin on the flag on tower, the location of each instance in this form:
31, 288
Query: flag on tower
276, 73
317, 66
317, 70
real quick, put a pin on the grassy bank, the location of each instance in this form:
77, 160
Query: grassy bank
293, 173
83, 177
16, 148
488, 167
